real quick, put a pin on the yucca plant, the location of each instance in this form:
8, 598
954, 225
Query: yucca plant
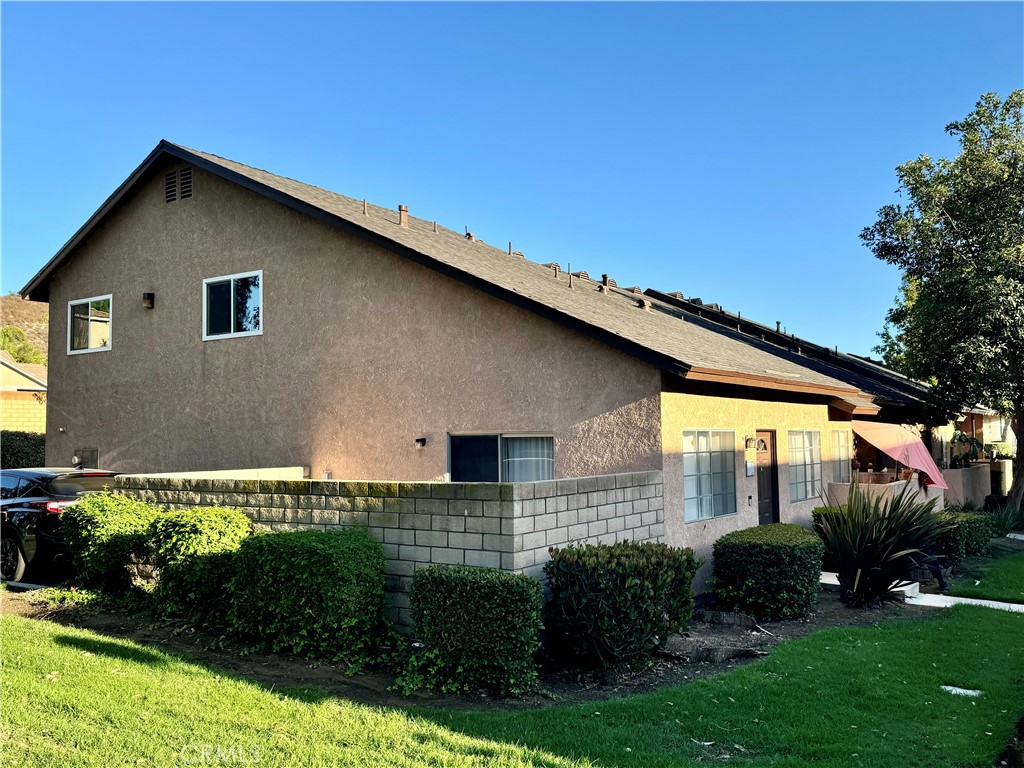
877, 543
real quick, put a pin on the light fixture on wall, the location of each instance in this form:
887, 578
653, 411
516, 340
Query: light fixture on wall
749, 441
148, 300
421, 442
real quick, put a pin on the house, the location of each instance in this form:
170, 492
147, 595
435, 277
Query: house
212, 316
22, 395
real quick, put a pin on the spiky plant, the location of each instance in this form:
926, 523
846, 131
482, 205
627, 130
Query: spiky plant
877, 543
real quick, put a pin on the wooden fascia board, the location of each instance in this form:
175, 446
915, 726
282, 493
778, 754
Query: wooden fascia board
767, 382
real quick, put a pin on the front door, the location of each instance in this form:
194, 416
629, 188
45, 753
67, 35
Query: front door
767, 479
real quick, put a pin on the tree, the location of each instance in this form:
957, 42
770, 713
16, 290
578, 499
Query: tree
959, 240
13, 339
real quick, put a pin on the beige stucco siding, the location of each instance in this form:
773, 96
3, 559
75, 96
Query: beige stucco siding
362, 352
745, 417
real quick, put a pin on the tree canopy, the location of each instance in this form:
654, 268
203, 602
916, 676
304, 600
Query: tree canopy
958, 237
14, 340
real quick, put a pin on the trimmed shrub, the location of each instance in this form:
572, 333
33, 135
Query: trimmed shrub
966, 533
311, 593
618, 603
770, 572
480, 628
107, 534
877, 543
22, 449
194, 550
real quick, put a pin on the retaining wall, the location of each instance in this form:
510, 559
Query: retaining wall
497, 525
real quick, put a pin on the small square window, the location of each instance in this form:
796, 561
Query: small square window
89, 324
233, 306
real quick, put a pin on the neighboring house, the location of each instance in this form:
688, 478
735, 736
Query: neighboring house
212, 316
22, 395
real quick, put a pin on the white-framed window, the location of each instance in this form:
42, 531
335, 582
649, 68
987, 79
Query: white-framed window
501, 458
709, 473
804, 464
89, 324
233, 306
840, 456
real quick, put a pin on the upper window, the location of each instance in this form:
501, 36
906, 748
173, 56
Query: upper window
840, 456
709, 474
233, 306
89, 325
501, 458
804, 465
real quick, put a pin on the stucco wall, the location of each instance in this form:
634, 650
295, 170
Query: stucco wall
969, 485
362, 353
494, 525
682, 411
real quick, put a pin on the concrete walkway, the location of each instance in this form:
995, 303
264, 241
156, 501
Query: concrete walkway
944, 601
914, 596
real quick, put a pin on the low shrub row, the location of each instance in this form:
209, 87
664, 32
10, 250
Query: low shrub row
307, 592
967, 533
22, 449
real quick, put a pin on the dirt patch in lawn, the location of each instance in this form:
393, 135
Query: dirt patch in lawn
709, 648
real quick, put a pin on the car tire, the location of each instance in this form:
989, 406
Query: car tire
12, 558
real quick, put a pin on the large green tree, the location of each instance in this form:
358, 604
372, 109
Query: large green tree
958, 236
14, 340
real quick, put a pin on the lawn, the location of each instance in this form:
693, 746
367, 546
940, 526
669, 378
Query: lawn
1002, 580
842, 697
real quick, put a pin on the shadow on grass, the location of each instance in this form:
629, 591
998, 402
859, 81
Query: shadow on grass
112, 648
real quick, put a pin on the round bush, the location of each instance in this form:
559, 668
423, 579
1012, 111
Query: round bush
770, 572
194, 550
480, 628
311, 593
618, 603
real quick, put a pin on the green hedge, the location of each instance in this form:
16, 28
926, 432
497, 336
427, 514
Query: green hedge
770, 572
106, 534
480, 628
616, 604
194, 550
22, 449
968, 534
311, 593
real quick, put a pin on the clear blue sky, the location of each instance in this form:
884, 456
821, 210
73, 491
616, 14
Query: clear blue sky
732, 151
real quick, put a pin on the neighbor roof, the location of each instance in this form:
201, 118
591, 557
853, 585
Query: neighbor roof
679, 343
34, 371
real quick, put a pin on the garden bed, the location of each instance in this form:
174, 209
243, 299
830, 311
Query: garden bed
707, 649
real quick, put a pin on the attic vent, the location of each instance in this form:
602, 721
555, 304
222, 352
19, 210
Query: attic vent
644, 304
177, 185
184, 183
554, 265
636, 289
678, 295
605, 280
582, 275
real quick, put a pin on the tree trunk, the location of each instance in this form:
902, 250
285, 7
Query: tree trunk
1017, 489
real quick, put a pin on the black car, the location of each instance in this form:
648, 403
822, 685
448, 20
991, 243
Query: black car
31, 503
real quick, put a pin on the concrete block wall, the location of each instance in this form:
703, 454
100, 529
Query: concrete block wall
496, 525
23, 411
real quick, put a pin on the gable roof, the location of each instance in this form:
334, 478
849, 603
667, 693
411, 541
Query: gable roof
679, 343
35, 372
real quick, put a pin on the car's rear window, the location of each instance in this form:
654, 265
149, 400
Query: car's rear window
76, 485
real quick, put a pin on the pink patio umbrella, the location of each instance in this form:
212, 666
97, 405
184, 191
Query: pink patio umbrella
901, 444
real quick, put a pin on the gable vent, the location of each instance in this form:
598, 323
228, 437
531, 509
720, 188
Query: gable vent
184, 183
177, 185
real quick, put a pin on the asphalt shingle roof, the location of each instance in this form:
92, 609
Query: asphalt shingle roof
691, 341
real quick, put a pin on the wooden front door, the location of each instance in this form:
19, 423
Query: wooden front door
767, 479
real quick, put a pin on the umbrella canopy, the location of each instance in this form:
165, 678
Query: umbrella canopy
901, 444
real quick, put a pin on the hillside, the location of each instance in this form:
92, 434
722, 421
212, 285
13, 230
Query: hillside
30, 316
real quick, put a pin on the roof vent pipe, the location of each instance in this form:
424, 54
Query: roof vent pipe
644, 304
403, 215
604, 279
778, 326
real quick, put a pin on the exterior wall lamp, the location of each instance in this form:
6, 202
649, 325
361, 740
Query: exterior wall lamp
421, 442
147, 300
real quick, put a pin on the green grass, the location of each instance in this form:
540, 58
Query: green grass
1002, 580
844, 697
